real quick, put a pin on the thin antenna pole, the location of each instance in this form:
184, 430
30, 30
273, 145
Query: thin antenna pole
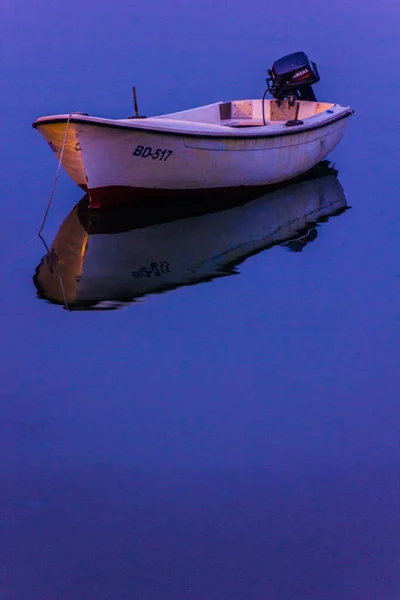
135, 102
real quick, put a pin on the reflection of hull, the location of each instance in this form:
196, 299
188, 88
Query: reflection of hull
119, 256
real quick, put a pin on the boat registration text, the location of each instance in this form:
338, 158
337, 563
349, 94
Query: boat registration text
147, 151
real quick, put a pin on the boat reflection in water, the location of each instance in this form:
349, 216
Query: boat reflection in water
106, 260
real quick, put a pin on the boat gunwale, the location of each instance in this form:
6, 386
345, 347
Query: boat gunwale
115, 124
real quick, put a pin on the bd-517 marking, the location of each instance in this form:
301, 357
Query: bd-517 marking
155, 268
147, 151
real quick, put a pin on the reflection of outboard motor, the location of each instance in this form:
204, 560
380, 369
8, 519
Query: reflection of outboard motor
298, 244
292, 76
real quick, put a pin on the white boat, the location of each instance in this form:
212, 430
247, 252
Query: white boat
109, 259
233, 144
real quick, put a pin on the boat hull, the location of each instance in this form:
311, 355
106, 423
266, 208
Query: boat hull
112, 162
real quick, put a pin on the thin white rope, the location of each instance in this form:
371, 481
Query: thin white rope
56, 177
29, 242
48, 208
56, 270
10, 259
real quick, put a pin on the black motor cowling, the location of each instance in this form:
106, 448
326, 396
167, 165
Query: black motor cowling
292, 77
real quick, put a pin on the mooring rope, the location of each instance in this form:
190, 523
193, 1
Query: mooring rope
11, 259
24, 246
48, 208
55, 269
56, 177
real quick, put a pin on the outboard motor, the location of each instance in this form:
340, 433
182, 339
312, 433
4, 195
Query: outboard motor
291, 78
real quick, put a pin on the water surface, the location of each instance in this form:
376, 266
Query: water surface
232, 430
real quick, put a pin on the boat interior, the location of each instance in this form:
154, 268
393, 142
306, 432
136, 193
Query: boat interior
251, 113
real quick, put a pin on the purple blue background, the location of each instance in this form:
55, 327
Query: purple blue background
237, 439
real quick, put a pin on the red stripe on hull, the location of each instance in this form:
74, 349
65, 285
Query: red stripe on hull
114, 195
108, 197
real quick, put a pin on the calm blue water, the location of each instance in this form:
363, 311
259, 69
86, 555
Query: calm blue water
239, 437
